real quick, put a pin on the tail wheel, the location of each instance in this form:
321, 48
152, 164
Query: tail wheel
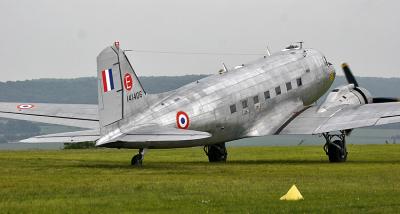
137, 160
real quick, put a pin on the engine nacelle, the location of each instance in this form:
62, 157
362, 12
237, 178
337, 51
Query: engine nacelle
346, 95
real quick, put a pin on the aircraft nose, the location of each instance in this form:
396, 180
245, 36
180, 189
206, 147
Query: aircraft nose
331, 72
329, 69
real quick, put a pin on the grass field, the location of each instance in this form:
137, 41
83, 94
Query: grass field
182, 181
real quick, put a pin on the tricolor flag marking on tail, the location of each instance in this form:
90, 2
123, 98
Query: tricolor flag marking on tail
108, 82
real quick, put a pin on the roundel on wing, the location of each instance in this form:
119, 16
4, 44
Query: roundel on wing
25, 106
128, 83
182, 120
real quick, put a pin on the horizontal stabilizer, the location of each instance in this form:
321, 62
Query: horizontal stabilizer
67, 137
164, 135
150, 134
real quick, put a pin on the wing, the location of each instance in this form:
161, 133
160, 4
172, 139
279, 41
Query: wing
342, 118
77, 115
145, 135
67, 137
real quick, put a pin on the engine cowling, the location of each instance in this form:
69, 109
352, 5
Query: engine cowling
346, 95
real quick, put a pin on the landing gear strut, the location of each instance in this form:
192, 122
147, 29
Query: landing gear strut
216, 152
137, 160
335, 146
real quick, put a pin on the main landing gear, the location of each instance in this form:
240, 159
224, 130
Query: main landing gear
137, 160
216, 152
335, 146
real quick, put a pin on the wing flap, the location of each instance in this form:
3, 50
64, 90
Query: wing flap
344, 117
78, 115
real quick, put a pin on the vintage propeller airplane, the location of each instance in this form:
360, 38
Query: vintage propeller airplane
274, 95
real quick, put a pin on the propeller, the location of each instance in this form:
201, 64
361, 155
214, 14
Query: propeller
352, 80
349, 75
385, 100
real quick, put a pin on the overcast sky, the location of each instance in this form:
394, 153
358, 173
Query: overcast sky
61, 39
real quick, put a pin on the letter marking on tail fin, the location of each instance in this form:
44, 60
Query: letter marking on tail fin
128, 82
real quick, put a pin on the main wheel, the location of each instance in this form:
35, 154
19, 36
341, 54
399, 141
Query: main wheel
216, 152
137, 160
337, 151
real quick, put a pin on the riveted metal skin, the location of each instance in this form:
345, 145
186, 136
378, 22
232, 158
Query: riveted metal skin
207, 102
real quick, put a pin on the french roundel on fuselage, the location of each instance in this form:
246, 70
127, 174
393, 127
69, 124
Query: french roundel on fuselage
182, 120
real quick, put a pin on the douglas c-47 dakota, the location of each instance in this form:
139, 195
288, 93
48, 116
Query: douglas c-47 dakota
274, 95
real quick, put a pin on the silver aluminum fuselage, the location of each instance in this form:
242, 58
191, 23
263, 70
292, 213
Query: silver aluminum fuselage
207, 101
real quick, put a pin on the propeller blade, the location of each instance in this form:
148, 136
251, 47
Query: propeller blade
352, 80
349, 76
385, 100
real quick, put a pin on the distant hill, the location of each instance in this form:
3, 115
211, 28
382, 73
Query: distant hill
79, 90
84, 90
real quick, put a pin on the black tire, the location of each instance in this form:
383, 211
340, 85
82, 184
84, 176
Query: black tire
137, 160
337, 152
217, 153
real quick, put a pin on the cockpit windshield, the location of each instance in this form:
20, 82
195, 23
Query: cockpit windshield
326, 62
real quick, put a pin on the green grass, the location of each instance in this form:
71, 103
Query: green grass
182, 181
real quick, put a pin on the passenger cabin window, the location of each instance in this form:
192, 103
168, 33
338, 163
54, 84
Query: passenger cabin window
244, 104
289, 86
233, 108
299, 82
255, 99
278, 90
267, 95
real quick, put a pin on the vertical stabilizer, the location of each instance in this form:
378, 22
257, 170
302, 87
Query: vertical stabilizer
120, 92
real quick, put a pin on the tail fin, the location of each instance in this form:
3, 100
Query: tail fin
120, 92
